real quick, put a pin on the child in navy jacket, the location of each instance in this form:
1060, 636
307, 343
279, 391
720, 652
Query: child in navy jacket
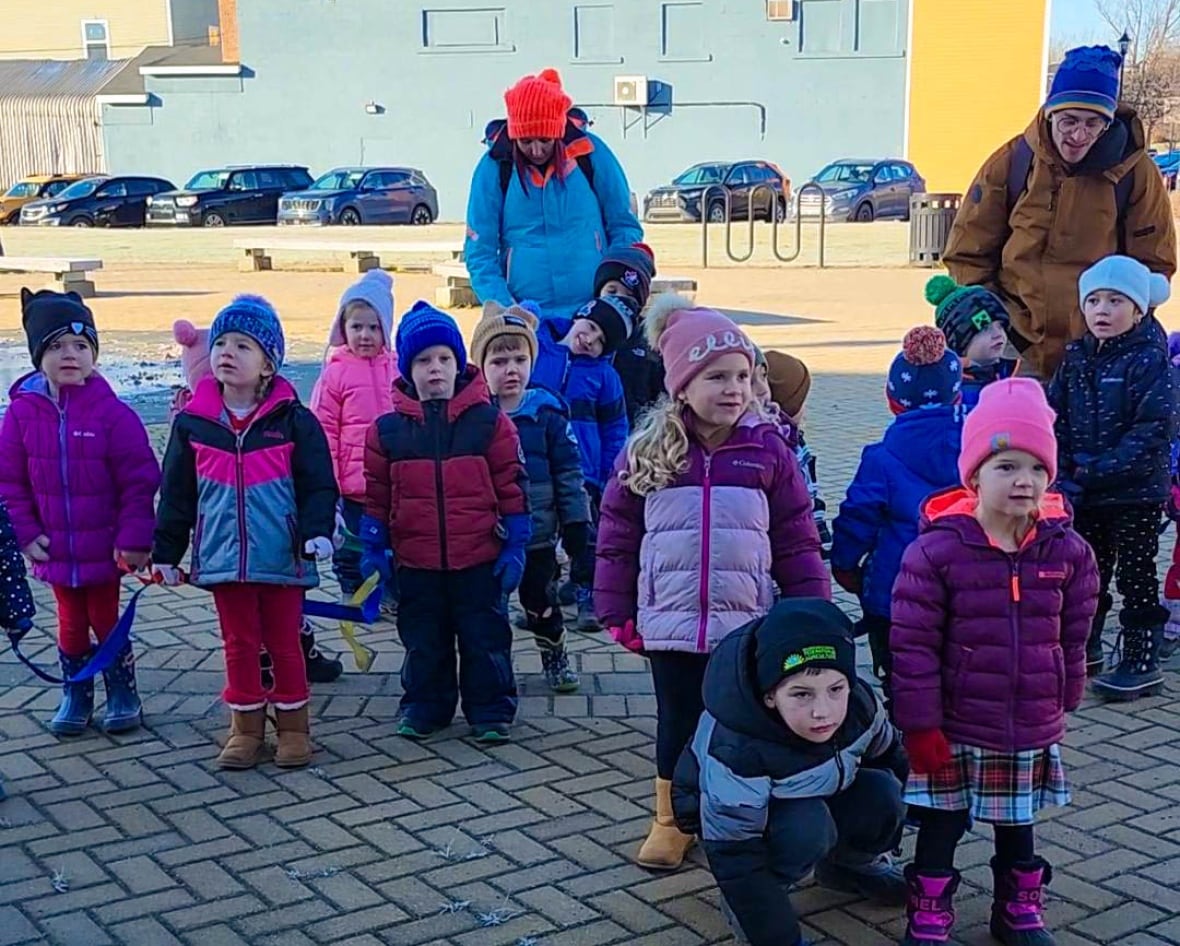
16, 601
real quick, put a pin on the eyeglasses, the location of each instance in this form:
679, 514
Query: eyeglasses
1090, 127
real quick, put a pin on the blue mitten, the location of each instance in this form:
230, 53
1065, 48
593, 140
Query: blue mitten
509, 567
376, 555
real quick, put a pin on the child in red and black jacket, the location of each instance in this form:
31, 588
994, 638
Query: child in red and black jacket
445, 494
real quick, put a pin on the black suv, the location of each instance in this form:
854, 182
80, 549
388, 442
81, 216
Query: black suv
754, 187
95, 202
224, 196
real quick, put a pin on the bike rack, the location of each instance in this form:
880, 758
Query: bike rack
774, 225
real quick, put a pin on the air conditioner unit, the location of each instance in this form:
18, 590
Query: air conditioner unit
780, 9
632, 90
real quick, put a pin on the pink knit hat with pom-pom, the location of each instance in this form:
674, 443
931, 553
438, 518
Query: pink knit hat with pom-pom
194, 351
689, 339
925, 374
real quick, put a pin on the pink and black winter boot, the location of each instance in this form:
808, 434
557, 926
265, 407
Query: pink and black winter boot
931, 907
1016, 903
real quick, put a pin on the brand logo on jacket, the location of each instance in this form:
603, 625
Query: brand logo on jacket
751, 464
85, 433
273, 435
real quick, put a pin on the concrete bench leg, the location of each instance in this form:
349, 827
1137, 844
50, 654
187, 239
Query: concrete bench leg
256, 261
76, 282
362, 262
456, 294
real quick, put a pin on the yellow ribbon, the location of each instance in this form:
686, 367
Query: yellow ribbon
363, 655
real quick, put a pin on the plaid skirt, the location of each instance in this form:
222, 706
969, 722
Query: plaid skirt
996, 787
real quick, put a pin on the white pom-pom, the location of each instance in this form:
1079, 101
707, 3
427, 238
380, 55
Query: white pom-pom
659, 309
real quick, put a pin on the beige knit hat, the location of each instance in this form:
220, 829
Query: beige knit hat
498, 320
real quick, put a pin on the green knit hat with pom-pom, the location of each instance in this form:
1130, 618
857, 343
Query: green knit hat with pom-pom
962, 312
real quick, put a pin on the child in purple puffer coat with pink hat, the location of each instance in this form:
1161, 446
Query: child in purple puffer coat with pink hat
991, 612
705, 521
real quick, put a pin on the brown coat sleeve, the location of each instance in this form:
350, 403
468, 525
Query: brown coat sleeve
976, 244
1150, 234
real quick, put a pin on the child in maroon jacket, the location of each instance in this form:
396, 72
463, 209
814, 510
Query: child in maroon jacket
991, 611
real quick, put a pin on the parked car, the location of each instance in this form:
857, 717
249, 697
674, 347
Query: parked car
863, 190
224, 196
362, 195
33, 187
100, 201
1169, 165
680, 201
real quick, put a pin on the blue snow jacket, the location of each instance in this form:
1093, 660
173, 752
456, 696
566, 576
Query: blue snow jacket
918, 455
544, 239
593, 393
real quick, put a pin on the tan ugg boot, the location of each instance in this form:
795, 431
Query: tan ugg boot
247, 733
666, 844
294, 745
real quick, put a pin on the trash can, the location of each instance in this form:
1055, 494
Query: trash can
931, 216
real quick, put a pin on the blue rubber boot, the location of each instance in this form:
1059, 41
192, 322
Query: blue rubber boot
77, 700
124, 711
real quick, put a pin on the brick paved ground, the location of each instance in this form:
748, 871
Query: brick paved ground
140, 840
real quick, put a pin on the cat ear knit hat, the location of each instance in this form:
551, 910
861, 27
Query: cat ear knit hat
962, 312
1088, 78
925, 373
194, 351
47, 316
689, 339
537, 107
1128, 276
374, 289
1012, 414
423, 327
499, 320
256, 318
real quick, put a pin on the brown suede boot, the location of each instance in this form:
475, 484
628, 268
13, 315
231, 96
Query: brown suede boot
246, 736
294, 748
666, 845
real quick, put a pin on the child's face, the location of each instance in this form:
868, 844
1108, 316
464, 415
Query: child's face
507, 371
69, 359
586, 338
987, 346
812, 704
759, 386
434, 372
239, 362
1011, 484
612, 287
362, 331
1109, 314
720, 394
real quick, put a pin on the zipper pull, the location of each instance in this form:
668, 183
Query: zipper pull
1015, 581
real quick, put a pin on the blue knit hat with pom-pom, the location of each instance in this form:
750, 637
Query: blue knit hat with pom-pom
925, 374
256, 318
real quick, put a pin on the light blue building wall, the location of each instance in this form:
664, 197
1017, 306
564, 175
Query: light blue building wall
828, 82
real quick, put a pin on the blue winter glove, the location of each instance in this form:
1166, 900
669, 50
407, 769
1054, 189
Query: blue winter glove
376, 555
509, 567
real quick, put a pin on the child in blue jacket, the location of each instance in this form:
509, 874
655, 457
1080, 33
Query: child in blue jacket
572, 363
917, 456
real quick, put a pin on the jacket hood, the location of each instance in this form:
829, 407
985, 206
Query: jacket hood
35, 383
927, 443
470, 390
536, 400
207, 401
954, 509
1114, 154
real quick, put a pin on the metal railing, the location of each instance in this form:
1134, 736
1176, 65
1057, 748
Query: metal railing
725, 202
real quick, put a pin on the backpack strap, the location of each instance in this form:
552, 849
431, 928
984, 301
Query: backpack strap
1019, 167
1122, 199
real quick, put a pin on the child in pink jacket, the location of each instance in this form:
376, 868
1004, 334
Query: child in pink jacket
79, 478
355, 388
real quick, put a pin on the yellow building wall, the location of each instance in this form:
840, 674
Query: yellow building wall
977, 74
52, 29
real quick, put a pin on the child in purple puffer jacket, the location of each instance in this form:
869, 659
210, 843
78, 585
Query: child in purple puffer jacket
705, 520
79, 478
991, 611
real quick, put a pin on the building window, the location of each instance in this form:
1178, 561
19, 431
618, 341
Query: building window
822, 28
878, 27
470, 29
683, 32
594, 33
96, 44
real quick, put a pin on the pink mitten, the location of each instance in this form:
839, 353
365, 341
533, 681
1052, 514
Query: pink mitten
628, 637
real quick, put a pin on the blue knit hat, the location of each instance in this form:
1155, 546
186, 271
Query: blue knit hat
1087, 78
1128, 276
256, 318
925, 374
423, 327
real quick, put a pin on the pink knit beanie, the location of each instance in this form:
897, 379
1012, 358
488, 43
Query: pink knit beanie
1011, 415
690, 339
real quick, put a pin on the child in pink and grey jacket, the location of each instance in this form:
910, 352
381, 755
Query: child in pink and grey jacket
705, 521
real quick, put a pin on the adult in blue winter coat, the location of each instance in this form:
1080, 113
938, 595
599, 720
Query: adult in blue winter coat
917, 456
547, 200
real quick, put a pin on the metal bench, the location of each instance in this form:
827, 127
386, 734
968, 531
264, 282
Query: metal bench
457, 292
363, 255
69, 274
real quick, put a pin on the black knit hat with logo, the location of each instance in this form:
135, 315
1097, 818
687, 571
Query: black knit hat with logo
48, 315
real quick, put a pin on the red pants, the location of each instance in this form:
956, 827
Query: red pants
80, 610
254, 616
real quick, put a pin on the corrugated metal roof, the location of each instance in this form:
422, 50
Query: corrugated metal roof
21, 78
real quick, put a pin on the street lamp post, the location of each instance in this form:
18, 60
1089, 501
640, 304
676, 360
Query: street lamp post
1124, 46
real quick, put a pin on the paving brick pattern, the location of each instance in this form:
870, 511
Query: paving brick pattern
140, 840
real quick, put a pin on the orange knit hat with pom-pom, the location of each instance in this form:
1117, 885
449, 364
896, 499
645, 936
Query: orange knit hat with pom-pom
925, 374
537, 107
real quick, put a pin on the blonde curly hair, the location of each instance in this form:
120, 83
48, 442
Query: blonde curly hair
657, 452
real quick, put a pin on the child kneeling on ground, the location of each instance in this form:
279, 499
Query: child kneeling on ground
794, 766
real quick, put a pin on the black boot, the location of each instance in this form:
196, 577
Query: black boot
320, 669
1095, 662
1017, 894
1138, 672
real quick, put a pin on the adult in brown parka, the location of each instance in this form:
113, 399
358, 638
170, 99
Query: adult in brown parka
1077, 186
